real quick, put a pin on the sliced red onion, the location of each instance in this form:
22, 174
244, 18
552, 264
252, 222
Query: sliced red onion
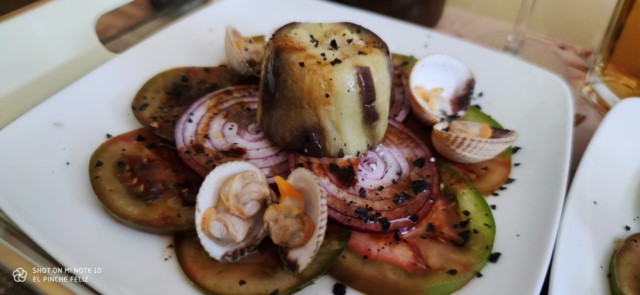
222, 127
390, 187
400, 104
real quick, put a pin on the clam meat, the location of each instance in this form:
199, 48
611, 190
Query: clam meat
441, 87
298, 222
229, 210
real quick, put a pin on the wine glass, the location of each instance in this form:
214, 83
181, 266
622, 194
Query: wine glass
517, 43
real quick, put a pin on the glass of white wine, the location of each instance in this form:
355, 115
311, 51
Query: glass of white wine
518, 43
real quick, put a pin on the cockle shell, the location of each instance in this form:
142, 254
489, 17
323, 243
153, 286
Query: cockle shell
244, 54
209, 196
465, 149
441, 86
303, 180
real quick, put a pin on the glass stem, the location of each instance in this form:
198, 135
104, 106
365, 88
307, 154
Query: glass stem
516, 38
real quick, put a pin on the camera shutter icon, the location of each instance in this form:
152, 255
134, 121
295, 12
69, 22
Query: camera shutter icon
19, 275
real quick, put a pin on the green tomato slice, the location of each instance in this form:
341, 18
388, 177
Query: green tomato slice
261, 272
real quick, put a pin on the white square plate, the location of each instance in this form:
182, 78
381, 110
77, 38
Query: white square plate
44, 184
604, 198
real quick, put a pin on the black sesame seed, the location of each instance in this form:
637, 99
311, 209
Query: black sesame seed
509, 180
361, 53
109, 135
339, 289
99, 164
301, 64
466, 213
452, 271
141, 138
340, 153
627, 228
516, 164
335, 62
493, 207
413, 218
362, 192
349, 41
242, 282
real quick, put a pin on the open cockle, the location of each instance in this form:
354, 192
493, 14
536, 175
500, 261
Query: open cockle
470, 142
441, 87
297, 224
244, 54
229, 210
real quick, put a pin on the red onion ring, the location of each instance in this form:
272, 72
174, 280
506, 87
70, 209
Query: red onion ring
222, 127
390, 187
400, 104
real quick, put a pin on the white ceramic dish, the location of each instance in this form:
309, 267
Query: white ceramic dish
44, 185
603, 200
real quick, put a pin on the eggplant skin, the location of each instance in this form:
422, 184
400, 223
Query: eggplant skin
325, 89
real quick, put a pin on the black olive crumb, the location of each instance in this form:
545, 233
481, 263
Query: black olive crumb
493, 258
418, 186
99, 163
493, 206
419, 162
301, 64
452, 271
515, 149
109, 135
339, 289
242, 282
362, 192
627, 228
334, 44
384, 222
430, 227
143, 107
